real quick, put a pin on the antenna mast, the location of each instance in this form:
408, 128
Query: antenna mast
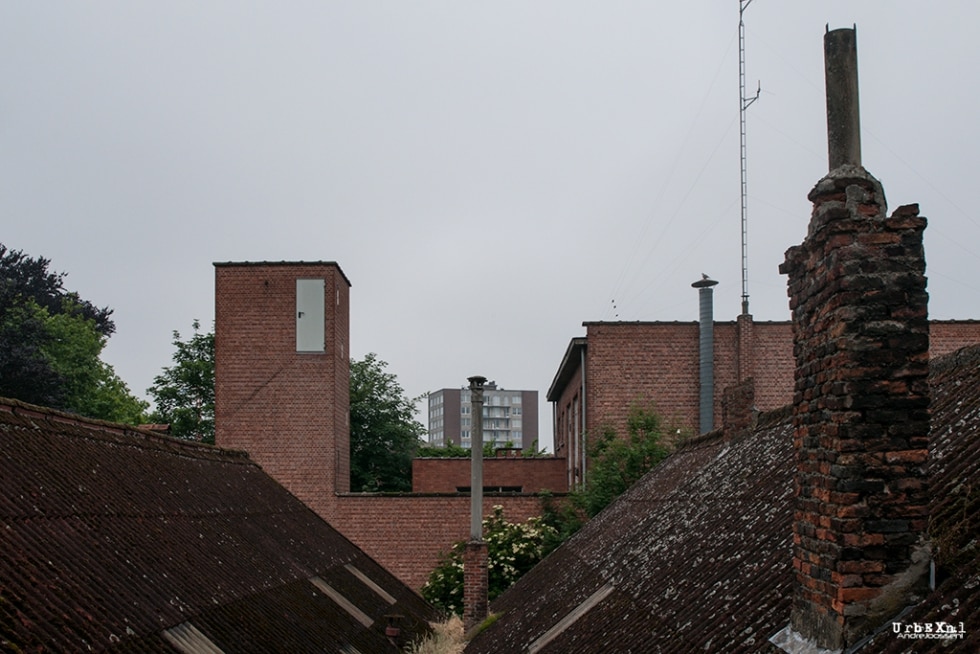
742, 106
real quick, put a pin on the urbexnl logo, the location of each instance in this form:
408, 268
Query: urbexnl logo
929, 630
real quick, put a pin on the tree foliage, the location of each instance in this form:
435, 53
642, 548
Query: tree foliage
184, 392
512, 550
28, 278
92, 387
384, 434
615, 463
51, 342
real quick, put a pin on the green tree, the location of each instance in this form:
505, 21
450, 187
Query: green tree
91, 386
51, 342
26, 372
184, 392
615, 463
384, 434
512, 550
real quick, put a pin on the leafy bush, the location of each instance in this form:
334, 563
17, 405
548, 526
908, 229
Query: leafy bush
512, 550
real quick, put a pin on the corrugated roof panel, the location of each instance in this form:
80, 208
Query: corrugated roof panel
111, 536
189, 640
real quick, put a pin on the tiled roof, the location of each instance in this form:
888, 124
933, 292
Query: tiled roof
696, 557
113, 539
700, 543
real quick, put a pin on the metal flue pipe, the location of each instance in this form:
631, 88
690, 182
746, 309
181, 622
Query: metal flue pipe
706, 352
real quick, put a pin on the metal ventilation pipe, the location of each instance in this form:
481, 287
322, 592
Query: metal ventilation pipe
706, 352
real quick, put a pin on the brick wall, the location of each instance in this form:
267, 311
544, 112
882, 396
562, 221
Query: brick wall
568, 426
659, 361
626, 362
531, 475
407, 534
861, 410
289, 410
947, 336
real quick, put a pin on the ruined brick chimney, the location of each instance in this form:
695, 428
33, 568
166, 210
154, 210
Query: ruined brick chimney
857, 291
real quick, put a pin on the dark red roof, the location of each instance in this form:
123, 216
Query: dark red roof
696, 557
114, 539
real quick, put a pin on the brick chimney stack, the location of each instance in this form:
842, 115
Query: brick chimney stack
858, 298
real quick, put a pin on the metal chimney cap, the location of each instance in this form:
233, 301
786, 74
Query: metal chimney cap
704, 282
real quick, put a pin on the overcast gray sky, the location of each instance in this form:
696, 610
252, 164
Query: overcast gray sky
563, 161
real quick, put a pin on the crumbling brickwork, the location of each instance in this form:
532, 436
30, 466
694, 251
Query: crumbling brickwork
857, 291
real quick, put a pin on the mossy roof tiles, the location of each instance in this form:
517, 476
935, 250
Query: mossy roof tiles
699, 550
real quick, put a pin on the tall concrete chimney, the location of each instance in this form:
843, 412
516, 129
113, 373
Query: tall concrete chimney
706, 352
857, 290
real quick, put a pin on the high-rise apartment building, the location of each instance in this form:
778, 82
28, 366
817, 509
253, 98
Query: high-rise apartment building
510, 418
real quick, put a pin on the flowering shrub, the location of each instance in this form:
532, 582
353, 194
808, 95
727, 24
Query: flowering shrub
512, 550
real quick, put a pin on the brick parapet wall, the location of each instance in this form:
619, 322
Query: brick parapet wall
531, 475
861, 409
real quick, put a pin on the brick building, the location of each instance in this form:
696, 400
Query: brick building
618, 363
282, 393
510, 417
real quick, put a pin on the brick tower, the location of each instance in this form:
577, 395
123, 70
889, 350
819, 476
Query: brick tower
282, 373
